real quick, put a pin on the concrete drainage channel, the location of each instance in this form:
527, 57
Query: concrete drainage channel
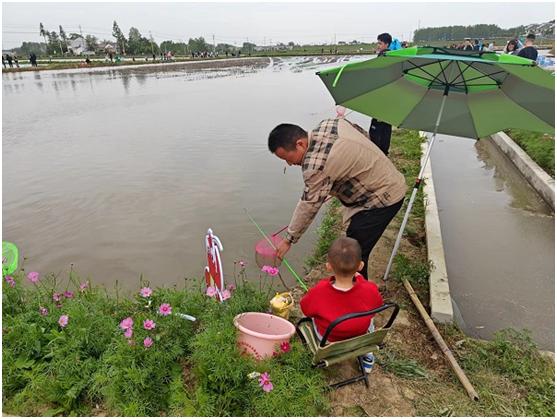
442, 309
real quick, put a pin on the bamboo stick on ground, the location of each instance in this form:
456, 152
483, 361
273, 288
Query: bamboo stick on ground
441, 342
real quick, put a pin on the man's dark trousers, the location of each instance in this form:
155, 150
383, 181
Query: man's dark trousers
380, 134
368, 226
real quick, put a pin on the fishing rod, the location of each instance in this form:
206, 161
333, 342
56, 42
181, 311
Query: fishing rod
300, 281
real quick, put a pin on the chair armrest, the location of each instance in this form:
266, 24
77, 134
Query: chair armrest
349, 316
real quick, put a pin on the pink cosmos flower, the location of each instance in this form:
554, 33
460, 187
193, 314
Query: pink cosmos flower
149, 324
58, 305
270, 270
68, 294
127, 323
265, 382
63, 320
211, 291
56, 297
226, 295
231, 287
10, 280
128, 333
165, 309
147, 342
273, 271
43, 311
145, 292
33, 277
242, 263
83, 287
285, 347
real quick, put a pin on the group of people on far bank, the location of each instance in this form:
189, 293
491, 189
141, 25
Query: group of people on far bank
10, 60
528, 50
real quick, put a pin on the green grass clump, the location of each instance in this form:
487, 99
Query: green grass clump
400, 366
514, 356
541, 148
415, 271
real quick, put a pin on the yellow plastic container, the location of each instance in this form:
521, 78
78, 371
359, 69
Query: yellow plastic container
281, 304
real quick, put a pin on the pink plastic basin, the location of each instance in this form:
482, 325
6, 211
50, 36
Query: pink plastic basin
260, 334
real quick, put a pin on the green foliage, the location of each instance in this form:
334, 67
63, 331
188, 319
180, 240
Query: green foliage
327, 232
541, 148
53, 370
221, 372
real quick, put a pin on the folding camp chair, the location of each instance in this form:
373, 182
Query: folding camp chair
329, 353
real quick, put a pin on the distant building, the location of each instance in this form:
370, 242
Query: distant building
109, 47
78, 46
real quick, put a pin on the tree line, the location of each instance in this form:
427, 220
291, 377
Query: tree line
451, 33
58, 43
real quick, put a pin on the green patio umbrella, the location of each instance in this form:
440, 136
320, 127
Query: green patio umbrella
462, 93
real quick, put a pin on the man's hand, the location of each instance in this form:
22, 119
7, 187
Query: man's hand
283, 248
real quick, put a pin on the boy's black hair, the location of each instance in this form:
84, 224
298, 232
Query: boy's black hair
531, 36
345, 255
385, 37
285, 136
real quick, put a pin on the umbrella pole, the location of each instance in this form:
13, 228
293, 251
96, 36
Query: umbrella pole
416, 187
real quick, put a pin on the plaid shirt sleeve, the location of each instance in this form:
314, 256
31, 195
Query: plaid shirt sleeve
316, 190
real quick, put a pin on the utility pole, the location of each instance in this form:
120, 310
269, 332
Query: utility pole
214, 47
80, 31
151, 39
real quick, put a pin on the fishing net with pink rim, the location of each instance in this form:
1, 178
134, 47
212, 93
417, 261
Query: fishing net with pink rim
265, 254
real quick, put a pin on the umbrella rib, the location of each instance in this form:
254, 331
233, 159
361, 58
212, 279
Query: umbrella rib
443, 71
463, 79
486, 75
419, 67
462, 73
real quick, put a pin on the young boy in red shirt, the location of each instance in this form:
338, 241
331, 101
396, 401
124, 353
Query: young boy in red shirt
345, 292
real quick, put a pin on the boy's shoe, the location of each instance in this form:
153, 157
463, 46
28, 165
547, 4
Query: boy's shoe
368, 362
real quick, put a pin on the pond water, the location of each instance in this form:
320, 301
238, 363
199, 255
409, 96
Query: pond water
121, 171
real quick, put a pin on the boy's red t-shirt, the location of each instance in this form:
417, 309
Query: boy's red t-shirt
324, 304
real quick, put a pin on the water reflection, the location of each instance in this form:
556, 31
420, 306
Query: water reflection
507, 178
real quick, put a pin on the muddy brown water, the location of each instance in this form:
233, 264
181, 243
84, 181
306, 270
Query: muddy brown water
121, 171
499, 241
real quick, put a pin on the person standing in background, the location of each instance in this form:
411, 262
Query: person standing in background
380, 132
529, 51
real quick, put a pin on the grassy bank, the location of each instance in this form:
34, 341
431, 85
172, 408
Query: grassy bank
540, 147
412, 377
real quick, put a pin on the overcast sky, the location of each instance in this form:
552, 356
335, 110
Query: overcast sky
259, 22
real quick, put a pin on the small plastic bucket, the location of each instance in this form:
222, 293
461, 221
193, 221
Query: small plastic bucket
259, 334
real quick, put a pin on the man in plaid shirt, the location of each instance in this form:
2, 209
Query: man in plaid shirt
338, 159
